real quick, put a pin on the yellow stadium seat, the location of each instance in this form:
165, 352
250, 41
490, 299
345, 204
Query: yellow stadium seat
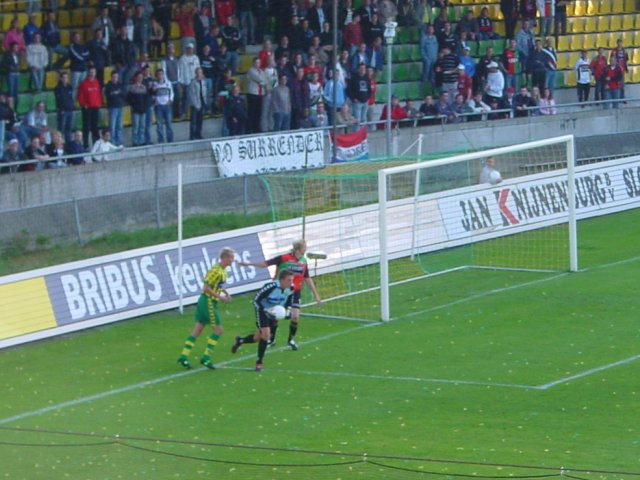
592, 7
576, 24
6, 21
23, 18
628, 21
570, 79
573, 58
499, 28
77, 18
615, 25
604, 7
577, 8
603, 23
617, 6
563, 61
636, 38
577, 42
51, 80
602, 40
590, 41
564, 42
629, 6
591, 25
174, 31
64, 19
89, 16
627, 38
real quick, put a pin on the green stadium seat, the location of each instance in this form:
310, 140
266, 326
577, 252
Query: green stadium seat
415, 71
404, 53
381, 93
401, 72
23, 83
416, 55
498, 46
414, 90
482, 47
560, 80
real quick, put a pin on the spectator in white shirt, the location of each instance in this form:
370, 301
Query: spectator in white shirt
163, 95
37, 59
103, 147
187, 65
495, 83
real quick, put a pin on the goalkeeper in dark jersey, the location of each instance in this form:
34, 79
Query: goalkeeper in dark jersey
273, 294
207, 309
295, 262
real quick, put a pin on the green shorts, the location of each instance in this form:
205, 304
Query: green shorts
207, 311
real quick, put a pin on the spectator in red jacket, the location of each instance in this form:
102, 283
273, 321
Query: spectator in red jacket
185, 16
397, 113
598, 66
352, 35
614, 76
90, 100
224, 9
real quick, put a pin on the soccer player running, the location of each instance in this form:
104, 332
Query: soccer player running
207, 310
295, 262
272, 294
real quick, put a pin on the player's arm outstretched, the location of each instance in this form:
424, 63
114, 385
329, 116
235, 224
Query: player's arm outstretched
312, 287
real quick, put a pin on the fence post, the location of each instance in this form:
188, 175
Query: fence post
76, 214
157, 193
245, 194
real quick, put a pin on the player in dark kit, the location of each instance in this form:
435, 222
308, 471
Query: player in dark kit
271, 295
295, 262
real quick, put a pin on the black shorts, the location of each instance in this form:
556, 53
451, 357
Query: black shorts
294, 300
264, 320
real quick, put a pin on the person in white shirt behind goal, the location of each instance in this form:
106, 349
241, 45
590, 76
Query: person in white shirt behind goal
489, 173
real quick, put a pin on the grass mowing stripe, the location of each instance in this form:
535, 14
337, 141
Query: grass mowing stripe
586, 373
128, 388
395, 378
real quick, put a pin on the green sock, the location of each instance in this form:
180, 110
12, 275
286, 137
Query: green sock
188, 345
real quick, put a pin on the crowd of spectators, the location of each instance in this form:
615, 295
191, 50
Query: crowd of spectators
299, 79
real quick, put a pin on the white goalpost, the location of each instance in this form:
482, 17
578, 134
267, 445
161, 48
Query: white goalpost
527, 221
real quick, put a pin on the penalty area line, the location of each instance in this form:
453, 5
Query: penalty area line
368, 376
589, 372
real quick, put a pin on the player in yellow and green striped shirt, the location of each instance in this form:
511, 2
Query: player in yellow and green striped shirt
207, 313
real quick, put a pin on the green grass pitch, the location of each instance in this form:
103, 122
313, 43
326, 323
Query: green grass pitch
483, 373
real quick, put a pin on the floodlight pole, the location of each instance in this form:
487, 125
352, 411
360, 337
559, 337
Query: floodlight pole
389, 36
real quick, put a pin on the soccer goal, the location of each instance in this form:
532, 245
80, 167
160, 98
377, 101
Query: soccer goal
509, 208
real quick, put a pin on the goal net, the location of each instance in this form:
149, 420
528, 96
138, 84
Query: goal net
386, 228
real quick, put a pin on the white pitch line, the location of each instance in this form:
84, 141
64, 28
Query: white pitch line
135, 386
395, 378
586, 373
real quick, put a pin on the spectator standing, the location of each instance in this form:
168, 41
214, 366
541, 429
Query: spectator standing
483, 70
51, 39
266, 53
360, 56
614, 77
156, 38
30, 29
299, 97
37, 123
37, 60
371, 74
202, 22
184, 16
256, 90
169, 66
11, 68
209, 68
281, 105
546, 10
359, 91
123, 56
104, 23
187, 65
317, 16
78, 56
465, 83
551, 64
375, 54
163, 97
235, 113
373, 30
197, 95
623, 62
352, 35
429, 53
14, 35
271, 77
115, 96
141, 30
468, 62
334, 95
495, 83
525, 44
148, 81
90, 100
76, 147
449, 64
247, 21
98, 54
64, 105
509, 64
447, 38
538, 66
163, 10
583, 77
138, 98
231, 36
598, 67
102, 149
561, 17
224, 11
